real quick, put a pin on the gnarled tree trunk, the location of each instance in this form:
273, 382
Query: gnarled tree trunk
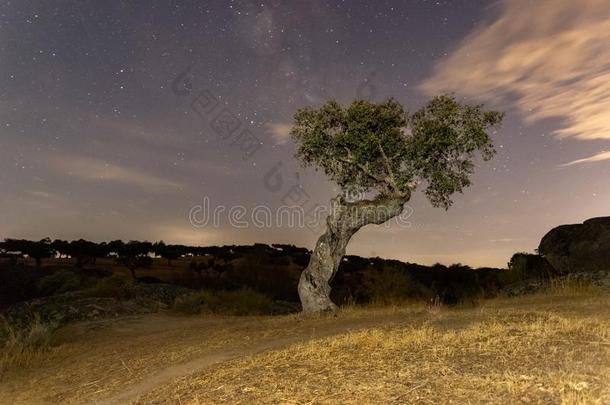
345, 219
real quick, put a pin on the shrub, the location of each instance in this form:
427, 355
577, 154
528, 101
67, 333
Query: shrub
527, 265
59, 282
17, 283
189, 304
20, 347
244, 301
260, 274
387, 286
394, 286
460, 286
112, 287
149, 280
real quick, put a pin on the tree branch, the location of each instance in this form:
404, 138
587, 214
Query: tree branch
391, 179
376, 211
364, 168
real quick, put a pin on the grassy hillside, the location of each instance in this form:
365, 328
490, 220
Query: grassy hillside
551, 347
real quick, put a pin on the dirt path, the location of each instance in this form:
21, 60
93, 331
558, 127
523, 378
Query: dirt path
126, 360
117, 361
169, 373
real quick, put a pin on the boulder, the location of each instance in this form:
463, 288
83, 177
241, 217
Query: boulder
578, 248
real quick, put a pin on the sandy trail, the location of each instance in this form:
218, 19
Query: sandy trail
117, 361
123, 360
172, 372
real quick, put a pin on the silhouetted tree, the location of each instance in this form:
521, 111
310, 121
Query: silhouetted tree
37, 250
135, 255
61, 247
168, 252
382, 150
85, 252
530, 265
114, 247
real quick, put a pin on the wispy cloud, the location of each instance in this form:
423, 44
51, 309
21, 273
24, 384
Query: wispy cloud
591, 159
172, 233
551, 56
93, 169
280, 132
501, 240
40, 194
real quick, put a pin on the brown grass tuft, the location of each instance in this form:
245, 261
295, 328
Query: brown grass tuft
572, 285
22, 348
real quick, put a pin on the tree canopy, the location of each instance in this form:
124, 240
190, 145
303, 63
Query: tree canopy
380, 147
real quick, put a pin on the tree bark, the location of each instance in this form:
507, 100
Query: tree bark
344, 220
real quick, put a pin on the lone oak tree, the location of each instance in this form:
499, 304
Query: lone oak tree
383, 151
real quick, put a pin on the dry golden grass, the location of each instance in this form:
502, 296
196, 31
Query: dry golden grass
92, 361
533, 352
24, 348
571, 286
550, 347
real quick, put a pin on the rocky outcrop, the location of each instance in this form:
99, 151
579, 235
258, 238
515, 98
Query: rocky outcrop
60, 309
595, 279
578, 248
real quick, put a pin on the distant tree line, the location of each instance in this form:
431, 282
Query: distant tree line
273, 270
132, 254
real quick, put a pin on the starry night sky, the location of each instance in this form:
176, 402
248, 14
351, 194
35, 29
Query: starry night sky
99, 138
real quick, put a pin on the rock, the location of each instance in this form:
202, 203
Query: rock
162, 293
524, 287
62, 309
75, 306
578, 248
598, 279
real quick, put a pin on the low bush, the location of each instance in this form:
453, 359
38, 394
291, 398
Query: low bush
17, 283
394, 286
244, 301
460, 286
112, 287
189, 304
58, 282
527, 265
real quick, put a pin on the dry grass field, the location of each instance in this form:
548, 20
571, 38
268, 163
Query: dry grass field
545, 348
